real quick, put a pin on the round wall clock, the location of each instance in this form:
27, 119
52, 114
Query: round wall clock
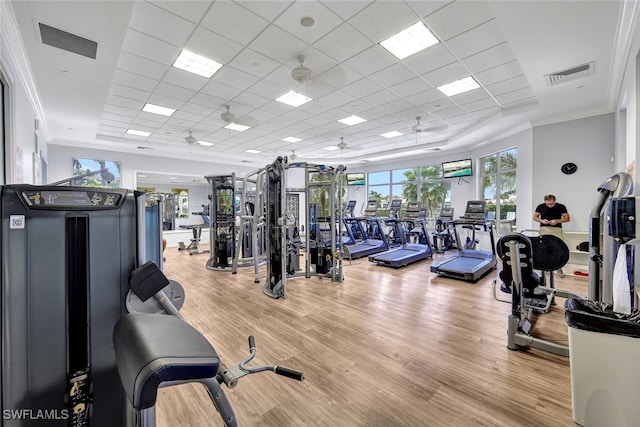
569, 168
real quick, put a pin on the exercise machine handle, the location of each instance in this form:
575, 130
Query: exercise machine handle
289, 373
252, 342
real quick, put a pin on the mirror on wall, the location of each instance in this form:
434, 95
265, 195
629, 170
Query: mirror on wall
184, 195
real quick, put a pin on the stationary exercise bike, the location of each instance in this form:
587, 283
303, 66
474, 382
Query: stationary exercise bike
156, 350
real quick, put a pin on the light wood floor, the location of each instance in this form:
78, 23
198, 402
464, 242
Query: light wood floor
385, 348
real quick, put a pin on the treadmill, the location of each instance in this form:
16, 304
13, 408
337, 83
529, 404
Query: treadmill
469, 264
408, 252
374, 241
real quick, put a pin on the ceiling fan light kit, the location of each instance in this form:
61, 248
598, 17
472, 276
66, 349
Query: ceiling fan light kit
301, 74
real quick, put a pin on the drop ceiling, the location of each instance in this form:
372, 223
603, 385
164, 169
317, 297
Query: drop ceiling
507, 46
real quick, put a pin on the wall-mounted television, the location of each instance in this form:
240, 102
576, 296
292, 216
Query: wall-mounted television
457, 168
356, 178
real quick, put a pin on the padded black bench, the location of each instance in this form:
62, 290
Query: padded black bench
152, 349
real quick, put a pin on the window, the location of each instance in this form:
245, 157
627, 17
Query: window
498, 174
423, 184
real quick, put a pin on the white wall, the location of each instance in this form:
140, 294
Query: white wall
23, 105
589, 143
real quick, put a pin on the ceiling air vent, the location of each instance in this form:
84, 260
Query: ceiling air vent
66, 41
569, 74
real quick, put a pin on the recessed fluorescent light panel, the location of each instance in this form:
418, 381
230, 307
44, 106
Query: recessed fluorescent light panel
352, 120
204, 143
236, 126
409, 41
391, 134
294, 99
196, 64
253, 151
332, 148
138, 132
157, 109
459, 86
291, 139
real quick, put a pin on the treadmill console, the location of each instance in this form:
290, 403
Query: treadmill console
372, 209
394, 208
475, 210
413, 210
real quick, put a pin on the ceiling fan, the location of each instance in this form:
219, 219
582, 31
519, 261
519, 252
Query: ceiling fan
189, 139
228, 116
293, 155
419, 127
301, 74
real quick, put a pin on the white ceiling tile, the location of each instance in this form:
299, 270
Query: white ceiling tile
371, 60
254, 63
143, 124
339, 76
297, 115
516, 95
481, 104
380, 98
132, 80
424, 8
278, 44
190, 10
396, 106
411, 87
477, 39
172, 91
343, 43
499, 73
301, 127
234, 22
447, 74
150, 118
267, 89
426, 97
458, 17
128, 92
117, 123
281, 76
325, 20
337, 98
180, 123
468, 97
382, 19
120, 127
315, 107
150, 47
221, 91
431, 58
250, 99
185, 79
110, 133
392, 75
276, 108
316, 89
510, 85
117, 117
266, 9
211, 45
160, 23
166, 101
137, 65
190, 117
234, 78
346, 8
448, 112
119, 101
489, 58
433, 107
362, 88
121, 111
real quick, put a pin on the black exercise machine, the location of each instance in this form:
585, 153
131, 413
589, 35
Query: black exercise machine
156, 350
521, 256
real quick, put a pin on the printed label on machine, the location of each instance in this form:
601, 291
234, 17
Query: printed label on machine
16, 222
70, 198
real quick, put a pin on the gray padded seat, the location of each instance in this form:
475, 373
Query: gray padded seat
154, 348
